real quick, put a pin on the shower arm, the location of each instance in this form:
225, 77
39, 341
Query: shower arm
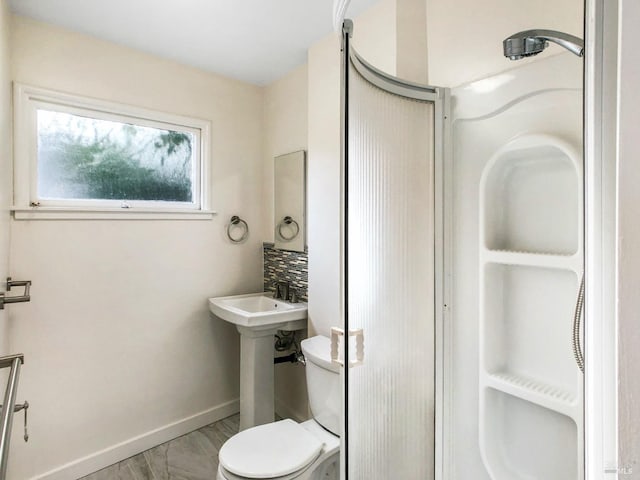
574, 44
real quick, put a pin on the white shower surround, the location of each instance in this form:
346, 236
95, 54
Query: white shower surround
515, 134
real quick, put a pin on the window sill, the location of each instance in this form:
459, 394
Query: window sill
65, 213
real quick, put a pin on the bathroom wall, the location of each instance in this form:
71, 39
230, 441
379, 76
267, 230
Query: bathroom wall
121, 352
464, 37
375, 39
5, 164
375, 34
323, 169
411, 41
285, 131
628, 231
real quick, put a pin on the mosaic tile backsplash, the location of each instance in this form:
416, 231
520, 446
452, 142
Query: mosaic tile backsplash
286, 265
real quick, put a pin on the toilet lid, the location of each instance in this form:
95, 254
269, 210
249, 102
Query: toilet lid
271, 450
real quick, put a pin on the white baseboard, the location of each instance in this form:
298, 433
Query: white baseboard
285, 411
116, 453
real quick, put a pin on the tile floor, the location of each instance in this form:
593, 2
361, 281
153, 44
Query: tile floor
191, 457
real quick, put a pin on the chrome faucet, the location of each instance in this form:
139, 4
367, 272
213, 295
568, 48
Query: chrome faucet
282, 290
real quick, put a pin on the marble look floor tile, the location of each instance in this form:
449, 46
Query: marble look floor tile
140, 468
219, 432
119, 471
191, 457
182, 459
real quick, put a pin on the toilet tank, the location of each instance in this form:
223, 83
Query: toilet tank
323, 383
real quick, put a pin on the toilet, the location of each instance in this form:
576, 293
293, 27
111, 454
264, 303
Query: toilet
287, 450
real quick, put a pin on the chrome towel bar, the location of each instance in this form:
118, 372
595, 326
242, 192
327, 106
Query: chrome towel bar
8, 360
288, 221
25, 297
236, 221
6, 415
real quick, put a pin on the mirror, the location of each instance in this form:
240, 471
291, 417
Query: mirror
290, 179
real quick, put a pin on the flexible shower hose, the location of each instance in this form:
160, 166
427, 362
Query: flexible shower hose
577, 320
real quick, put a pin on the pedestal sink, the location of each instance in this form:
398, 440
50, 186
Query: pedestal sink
258, 317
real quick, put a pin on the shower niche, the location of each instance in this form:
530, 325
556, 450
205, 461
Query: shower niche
528, 453
531, 200
530, 266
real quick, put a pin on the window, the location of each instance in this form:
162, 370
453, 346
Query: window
82, 157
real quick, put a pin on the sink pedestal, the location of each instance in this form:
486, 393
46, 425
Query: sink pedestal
258, 317
257, 402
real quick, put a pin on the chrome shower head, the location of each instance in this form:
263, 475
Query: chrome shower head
532, 42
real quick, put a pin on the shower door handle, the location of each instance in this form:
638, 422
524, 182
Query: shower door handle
358, 334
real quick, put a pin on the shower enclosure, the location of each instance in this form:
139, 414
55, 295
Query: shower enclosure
463, 254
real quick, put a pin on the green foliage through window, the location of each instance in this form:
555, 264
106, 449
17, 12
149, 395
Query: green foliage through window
87, 158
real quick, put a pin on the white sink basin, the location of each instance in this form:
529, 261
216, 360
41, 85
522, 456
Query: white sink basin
260, 310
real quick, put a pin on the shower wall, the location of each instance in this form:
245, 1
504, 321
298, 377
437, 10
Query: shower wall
516, 411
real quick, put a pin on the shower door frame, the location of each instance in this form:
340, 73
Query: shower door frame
439, 97
600, 192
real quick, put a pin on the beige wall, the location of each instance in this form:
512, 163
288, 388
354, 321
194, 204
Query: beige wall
465, 36
118, 338
324, 185
628, 236
411, 56
5, 164
285, 130
375, 34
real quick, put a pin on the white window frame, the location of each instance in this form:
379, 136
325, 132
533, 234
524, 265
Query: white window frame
28, 205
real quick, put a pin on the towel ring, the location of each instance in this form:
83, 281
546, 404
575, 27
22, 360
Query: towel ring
288, 221
237, 221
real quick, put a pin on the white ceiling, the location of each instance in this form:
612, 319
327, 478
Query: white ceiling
257, 41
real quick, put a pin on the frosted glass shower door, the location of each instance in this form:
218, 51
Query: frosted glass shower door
390, 283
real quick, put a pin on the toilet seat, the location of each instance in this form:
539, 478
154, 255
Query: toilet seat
279, 450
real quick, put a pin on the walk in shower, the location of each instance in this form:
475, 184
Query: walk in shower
463, 258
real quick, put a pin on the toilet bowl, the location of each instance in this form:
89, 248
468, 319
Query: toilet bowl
288, 450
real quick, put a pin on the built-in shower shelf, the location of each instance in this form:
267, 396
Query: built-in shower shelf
533, 259
534, 391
